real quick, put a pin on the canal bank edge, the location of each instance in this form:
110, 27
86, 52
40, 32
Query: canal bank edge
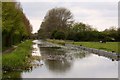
111, 55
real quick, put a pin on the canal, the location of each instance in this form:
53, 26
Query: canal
56, 61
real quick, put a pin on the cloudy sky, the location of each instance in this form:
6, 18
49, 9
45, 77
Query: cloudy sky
100, 15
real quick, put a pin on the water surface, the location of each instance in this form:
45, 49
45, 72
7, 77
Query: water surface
52, 61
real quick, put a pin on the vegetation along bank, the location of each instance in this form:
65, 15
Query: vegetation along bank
19, 59
108, 46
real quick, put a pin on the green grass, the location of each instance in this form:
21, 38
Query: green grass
108, 46
19, 58
61, 42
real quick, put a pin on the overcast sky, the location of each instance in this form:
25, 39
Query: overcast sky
100, 15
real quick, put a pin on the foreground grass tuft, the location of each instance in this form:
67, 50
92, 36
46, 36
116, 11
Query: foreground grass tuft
19, 58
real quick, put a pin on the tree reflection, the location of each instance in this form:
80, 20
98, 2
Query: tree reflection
58, 66
60, 60
81, 54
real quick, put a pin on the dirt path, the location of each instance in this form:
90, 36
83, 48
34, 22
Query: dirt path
9, 50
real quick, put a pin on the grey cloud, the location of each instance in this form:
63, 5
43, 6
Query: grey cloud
101, 10
41, 8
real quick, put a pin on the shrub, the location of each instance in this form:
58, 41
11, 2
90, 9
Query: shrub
58, 35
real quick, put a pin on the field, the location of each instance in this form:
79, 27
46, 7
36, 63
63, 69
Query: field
108, 46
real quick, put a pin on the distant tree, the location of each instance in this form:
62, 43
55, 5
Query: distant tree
81, 32
111, 34
56, 19
59, 35
118, 32
81, 27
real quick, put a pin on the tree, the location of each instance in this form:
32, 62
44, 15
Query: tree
56, 19
81, 32
81, 27
58, 35
111, 34
118, 31
15, 25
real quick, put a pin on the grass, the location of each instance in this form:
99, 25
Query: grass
19, 58
108, 46
61, 42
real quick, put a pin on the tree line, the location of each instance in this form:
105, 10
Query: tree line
59, 24
15, 25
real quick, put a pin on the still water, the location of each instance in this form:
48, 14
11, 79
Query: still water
54, 61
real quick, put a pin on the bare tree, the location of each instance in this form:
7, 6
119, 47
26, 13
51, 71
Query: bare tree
57, 19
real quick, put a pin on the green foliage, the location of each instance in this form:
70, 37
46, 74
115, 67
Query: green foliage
112, 34
15, 25
84, 32
58, 35
53, 33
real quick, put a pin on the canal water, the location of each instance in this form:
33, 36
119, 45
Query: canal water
55, 61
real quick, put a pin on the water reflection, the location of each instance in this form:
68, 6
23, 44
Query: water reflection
60, 62
54, 61
58, 66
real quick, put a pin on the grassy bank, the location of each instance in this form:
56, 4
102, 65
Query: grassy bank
108, 46
61, 42
19, 58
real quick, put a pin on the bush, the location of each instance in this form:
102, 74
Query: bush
58, 35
